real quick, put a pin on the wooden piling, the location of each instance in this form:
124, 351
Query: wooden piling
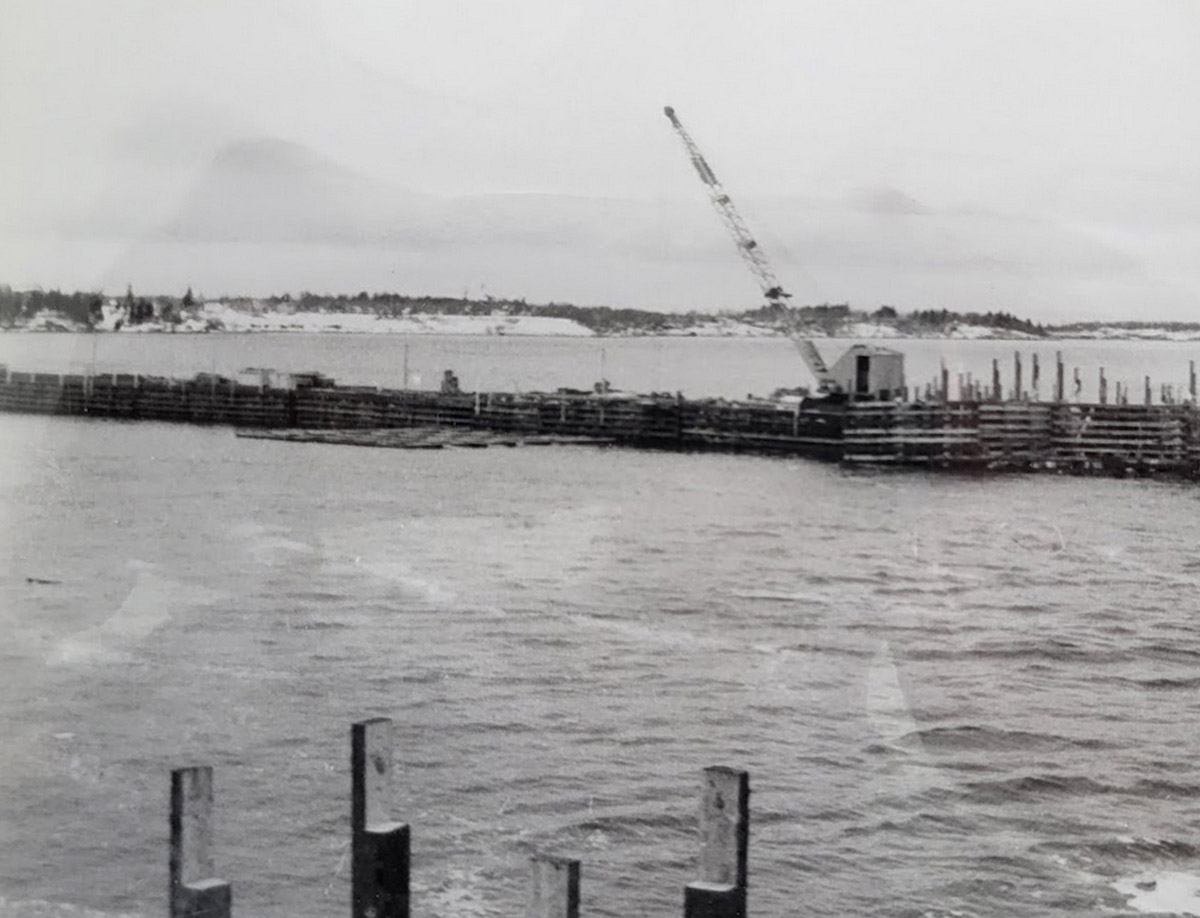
1148, 392
553, 888
1103, 388
1058, 376
1078, 383
997, 393
1017, 376
720, 891
379, 847
1035, 376
945, 387
195, 892
1192, 380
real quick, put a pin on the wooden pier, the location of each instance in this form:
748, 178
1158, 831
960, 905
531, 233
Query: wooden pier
985, 429
381, 845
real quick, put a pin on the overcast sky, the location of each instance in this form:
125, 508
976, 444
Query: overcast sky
1035, 156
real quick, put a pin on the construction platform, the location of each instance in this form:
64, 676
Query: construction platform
972, 433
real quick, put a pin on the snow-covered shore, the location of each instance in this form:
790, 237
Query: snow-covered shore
219, 316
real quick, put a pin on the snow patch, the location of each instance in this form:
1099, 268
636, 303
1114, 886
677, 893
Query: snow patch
222, 317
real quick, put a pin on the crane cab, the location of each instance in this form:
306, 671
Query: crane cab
867, 372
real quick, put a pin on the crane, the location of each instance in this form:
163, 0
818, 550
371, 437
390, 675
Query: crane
748, 248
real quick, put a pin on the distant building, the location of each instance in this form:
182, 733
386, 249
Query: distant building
266, 378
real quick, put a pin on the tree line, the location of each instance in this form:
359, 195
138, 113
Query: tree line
87, 309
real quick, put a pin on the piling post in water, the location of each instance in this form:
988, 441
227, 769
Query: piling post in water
1103, 388
379, 846
997, 394
945, 387
1017, 375
1058, 376
553, 888
1148, 393
1035, 376
1078, 383
724, 840
1192, 380
195, 891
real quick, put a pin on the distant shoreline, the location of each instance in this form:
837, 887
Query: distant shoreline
1146, 335
221, 317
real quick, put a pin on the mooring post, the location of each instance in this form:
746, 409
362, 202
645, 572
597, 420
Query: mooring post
1017, 375
724, 839
1035, 376
997, 394
1058, 376
1103, 388
379, 847
553, 887
1148, 392
195, 891
945, 390
1192, 380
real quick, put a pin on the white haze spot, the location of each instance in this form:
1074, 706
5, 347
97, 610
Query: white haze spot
1170, 892
149, 605
265, 544
471, 558
402, 574
887, 704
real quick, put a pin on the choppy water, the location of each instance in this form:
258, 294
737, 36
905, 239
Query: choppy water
956, 696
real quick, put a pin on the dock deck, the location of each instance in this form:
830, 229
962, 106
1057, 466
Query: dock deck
976, 433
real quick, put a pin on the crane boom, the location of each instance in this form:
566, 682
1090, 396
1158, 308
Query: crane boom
747, 247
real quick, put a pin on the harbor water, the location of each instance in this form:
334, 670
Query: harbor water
956, 695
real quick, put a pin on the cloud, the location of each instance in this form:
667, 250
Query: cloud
888, 201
